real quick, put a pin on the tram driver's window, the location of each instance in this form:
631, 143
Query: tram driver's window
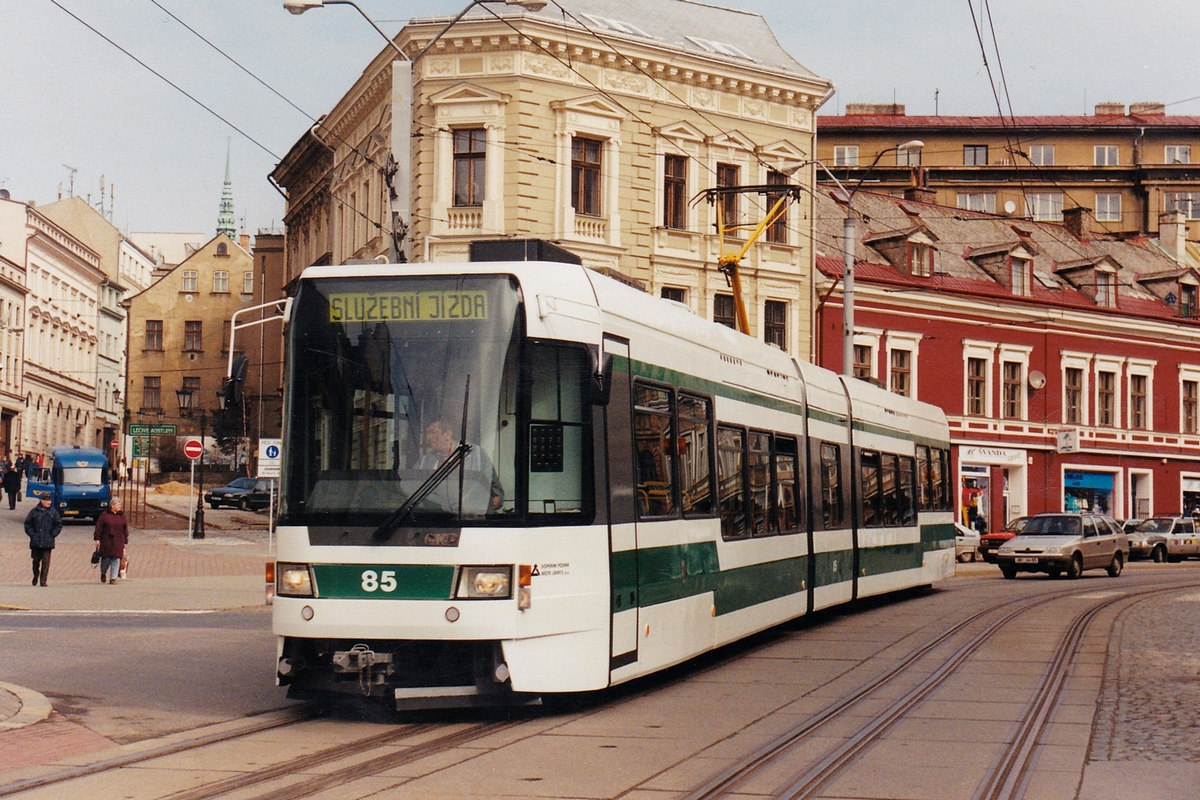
653, 433
558, 415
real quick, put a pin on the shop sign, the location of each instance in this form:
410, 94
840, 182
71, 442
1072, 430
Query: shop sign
1002, 456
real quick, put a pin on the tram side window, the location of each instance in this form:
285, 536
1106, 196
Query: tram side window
870, 488
695, 446
939, 472
906, 497
760, 483
832, 511
787, 510
731, 482
558, 416
889, 483
924, 484
653, 437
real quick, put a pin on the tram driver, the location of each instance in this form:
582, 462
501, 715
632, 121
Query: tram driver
439, 442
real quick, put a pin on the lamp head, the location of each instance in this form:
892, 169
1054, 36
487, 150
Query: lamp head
915, 144
528, 5
300, 6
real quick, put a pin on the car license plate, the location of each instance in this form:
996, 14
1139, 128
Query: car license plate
1025, 560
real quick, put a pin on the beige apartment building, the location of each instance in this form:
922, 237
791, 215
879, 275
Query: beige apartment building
591, 125
1127, 166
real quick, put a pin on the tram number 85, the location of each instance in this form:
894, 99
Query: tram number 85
373, 581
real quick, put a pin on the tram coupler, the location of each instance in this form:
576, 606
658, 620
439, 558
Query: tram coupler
372, 668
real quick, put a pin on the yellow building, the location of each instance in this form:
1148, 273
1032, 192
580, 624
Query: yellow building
1126, 166
591, 126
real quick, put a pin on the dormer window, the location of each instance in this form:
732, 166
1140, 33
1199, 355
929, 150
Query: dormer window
1187, 300
1106, 289
1019, 270
920, 259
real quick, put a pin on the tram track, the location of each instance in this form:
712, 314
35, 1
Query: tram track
1006, 777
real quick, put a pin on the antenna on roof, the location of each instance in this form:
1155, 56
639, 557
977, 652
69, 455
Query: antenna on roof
71, 191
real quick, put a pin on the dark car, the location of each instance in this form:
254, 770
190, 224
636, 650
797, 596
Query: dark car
232, 494
989, 543
260, 496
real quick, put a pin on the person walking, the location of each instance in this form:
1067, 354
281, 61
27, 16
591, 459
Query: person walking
12, 484
42, 526
111, 535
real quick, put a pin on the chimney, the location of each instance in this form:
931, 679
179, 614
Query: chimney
1078, 221
874, 109
1172, 233
1110, 109
920, 194
1147, 109
244, 241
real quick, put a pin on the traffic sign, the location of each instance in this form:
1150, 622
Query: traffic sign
138, 429
270, 457
114, 444
193, 449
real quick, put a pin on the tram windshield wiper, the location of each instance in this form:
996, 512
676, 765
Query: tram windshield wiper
385, 531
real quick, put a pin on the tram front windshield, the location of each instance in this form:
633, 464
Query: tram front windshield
408, 409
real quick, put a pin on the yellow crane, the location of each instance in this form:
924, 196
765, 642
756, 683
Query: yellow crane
779, 196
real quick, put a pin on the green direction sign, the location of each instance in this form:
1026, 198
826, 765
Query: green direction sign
151, 430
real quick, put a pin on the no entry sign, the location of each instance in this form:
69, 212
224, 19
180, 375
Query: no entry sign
193, 449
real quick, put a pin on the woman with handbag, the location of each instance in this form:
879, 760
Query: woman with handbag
111, 535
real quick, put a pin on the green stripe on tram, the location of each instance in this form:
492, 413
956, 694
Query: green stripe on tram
384, 581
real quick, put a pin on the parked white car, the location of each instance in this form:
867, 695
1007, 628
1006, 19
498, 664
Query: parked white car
966, 543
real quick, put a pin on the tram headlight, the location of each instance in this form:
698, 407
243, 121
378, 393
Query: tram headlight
293, 580
485, 583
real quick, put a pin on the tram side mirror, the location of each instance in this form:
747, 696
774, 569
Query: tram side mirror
601, 378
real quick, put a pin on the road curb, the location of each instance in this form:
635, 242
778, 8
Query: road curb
34, 707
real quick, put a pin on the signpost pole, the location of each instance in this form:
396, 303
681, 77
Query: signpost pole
192, 511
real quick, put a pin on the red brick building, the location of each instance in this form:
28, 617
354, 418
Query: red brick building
1067, 361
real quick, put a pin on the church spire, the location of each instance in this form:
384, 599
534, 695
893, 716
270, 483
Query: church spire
225, 221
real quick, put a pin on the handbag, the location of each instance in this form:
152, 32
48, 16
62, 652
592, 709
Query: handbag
96, 556
124, 566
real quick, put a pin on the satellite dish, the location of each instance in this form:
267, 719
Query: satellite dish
1036, 379
1009, 207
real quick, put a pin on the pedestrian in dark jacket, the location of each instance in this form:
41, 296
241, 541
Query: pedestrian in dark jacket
112, 534
12, 484
42, 526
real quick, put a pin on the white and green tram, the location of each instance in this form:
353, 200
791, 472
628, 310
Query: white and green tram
508, 479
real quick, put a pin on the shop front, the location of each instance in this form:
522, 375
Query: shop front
1089, 491
992, 486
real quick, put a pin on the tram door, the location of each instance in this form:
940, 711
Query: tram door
622, 534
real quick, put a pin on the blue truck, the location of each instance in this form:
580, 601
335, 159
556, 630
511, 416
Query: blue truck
76, 479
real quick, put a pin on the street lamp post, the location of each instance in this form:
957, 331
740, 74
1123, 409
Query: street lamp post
399, 168
185, 397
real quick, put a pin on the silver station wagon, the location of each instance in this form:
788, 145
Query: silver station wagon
1065, 543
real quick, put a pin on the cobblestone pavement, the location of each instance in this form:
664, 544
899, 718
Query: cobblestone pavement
1149, 706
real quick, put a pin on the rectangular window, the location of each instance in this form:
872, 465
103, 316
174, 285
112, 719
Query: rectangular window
694, 447
978, 201
469, 162
924, 480
976, 387
1012, 389
191, 279
1137, 402
1073, 396
777, 231
1177, 154
675, 192
908, 157
154, 334
975, 155
1187, 202
585, 176
559, 427
900, 373
1106, 289
1106, 396
152, 392
1044, 206
775, 323
1187, 300
192, 384
1019, 276
731, 482
920, 259
759, 463
787, 485
728, 175
1041, 155
723, 311
862, 361
1106, 155
845, 155
193, 335
220, 281
832, 510
1189, 421
653, 435
868, 473
673, 293
1108, 207
248, 282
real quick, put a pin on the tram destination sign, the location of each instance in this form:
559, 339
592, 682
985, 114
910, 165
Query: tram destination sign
454, 306
152, 430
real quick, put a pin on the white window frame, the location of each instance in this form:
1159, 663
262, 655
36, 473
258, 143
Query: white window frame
1189, 372
1020, 275
977, 201
189, 277
908, 157
1106, 288
845, 155
1082, 362
987, 351
220, 281
595, 118
870, 337
1144, 368
1044, 206
1106, 209
1018, 354
904, 340
1041, 155
1117, 367
462, 107
1148, 476
1106, 155
248, 282
1177, 154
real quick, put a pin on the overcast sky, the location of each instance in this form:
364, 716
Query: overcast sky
71, 99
